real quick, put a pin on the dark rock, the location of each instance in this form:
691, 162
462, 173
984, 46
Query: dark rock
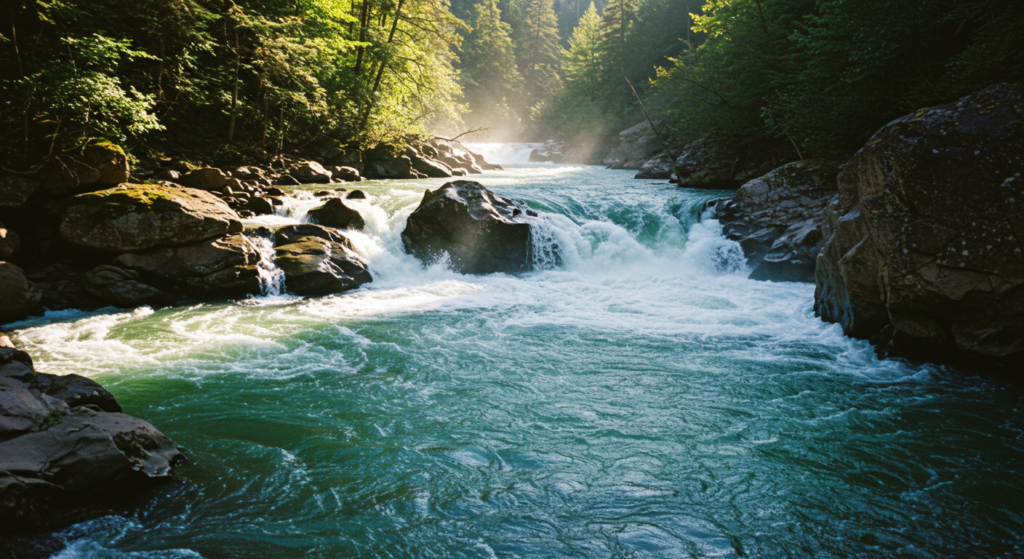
18, 295
293, 233
9, 242
480, 231
286, 180
925, 238
779, 219
64, 287
122, 288
139, 217
274, 192
75, 391
16, 189
207, 178
396, 168
637, 145
659, 167
310, 172
15, 363
227, 267
711, 162
356, 195
255, 205
431, 168
335, 213
96, 166
318, 266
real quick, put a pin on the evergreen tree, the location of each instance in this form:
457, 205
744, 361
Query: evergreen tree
490, 79
541, 56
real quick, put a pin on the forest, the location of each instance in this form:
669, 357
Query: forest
218, 79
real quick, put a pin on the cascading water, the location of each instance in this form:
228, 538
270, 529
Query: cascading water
271, 276
636, 396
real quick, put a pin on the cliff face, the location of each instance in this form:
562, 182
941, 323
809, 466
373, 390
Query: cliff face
925, 237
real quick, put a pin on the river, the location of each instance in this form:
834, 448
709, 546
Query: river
639, 398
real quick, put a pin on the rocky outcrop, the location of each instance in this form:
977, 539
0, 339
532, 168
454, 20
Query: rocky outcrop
716, 162
317, 261
925, 239
96, 166
660, 166
779, 219
123, 288
140, 217
390, 168
637, 145
206, 178
347, 174
18, 295
65, 444
479, 231
222, 267
334, 213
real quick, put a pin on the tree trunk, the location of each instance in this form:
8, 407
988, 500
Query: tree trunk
362, 36
380, 70
266, 116
234, 93
280, 126
160, 74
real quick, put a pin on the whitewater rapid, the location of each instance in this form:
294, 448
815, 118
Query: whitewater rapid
638, 396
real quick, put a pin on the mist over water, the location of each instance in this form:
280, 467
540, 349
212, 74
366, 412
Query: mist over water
635, 397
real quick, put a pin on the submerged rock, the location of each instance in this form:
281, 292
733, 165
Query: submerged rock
65, 445
140, 217
319, 265
335, 213
779, 219
925, 237
226, 267
478, 230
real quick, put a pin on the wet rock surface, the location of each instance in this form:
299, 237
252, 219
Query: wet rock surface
925, 237
225, 267
64, 445
659, 167
320, 263
334, 213
779, 219
479, 231
636, 146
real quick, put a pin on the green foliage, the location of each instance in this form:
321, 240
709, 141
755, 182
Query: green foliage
490, 76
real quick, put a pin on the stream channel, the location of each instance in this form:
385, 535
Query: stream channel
636, 397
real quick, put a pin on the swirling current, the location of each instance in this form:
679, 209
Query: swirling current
635, 397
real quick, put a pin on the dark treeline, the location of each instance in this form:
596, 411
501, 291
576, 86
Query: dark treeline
266, 76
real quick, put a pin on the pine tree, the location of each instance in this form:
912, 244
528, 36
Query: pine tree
583, 61
541, 59
491, 81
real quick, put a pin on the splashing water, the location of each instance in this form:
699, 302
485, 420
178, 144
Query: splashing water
271, 276
636, 396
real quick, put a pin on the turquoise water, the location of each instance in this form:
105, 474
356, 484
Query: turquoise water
639, 399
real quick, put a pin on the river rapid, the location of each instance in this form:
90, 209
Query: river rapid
636, 397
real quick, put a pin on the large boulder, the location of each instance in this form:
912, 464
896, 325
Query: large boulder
64, 445
779, 219
319, 265
310, 172
16, 189
347, 174
96, 166
926, 237
225, 267
18, 295
660, 166
140, 217
206, 178
637, 145
478, 230
429, 167
334, 213
399, 167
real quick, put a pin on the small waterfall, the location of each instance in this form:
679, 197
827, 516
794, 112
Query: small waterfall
504, 154
271, 277
546, 242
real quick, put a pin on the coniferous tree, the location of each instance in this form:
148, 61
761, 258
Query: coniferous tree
490, 79
541, 55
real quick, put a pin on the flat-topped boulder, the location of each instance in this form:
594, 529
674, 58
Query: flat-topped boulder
479, 231
227, 266
139, 217
335, 213
925, 245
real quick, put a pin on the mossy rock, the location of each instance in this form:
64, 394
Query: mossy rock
138, 217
